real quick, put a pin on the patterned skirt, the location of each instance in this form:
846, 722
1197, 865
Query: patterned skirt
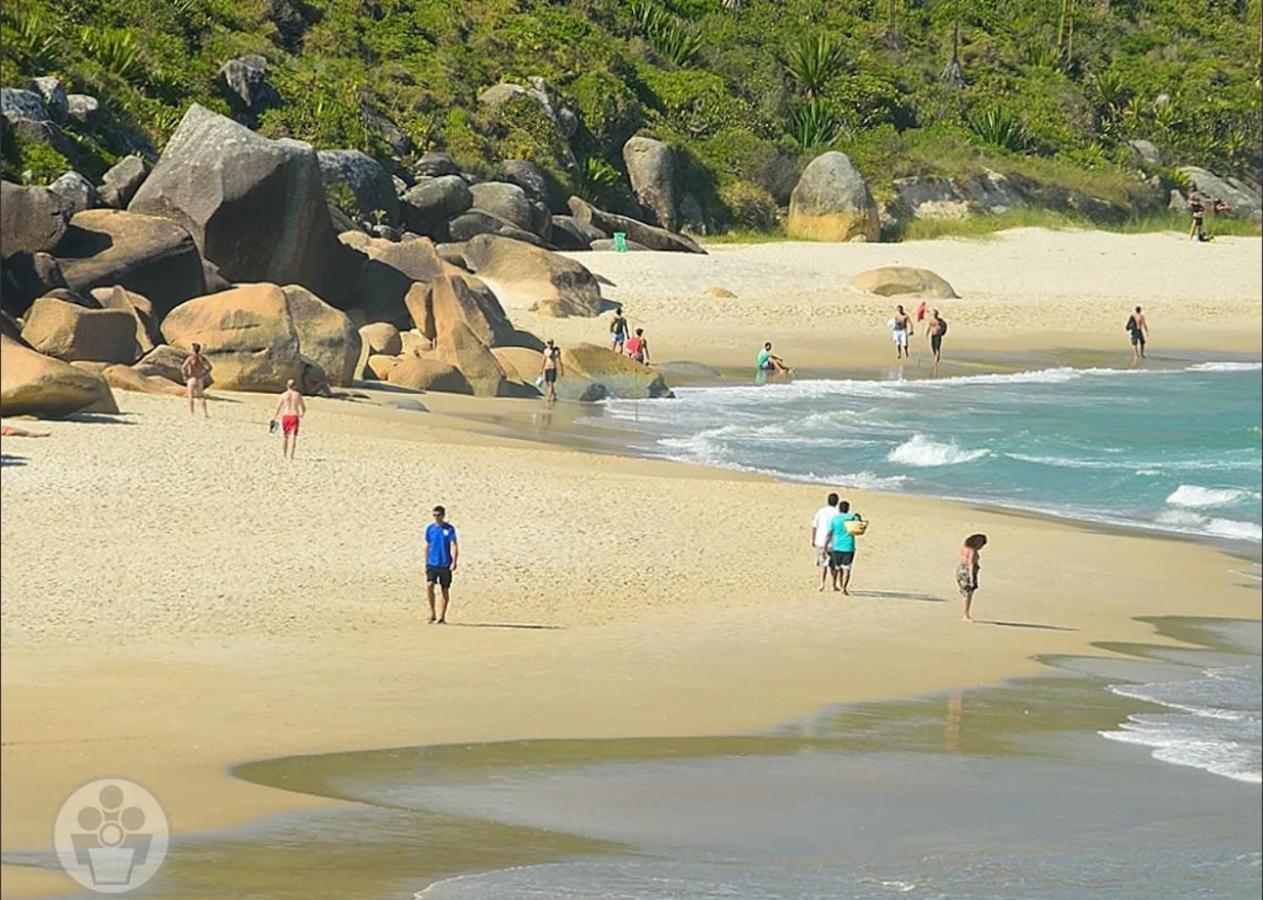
967, 578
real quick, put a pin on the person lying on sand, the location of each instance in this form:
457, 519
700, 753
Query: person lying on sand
768, 362
967, 572
14, 431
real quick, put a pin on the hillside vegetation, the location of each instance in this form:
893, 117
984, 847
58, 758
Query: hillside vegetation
746, 90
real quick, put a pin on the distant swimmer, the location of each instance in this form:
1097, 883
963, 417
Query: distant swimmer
937, 329
195, 370
638, 347
769, 362
901, 330
441, 554
290, 409
618, 330
967, 571
820, 523
1138, 328
550, 370
842, 546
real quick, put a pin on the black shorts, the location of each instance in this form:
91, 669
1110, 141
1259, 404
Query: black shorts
550, 376
841, 559
440, 575
936, 342
1138, 337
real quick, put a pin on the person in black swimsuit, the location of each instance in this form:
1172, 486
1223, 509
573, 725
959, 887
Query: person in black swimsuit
550, 368
1138, 328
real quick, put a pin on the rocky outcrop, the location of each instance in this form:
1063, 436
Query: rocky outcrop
148, 255
325, 335
246, 333
452, 299
128, 378
244, 83
608, 245
647, 235
478, 221
136, 306
53, 94
527, 277
832, 202
520, 364
434, 164
68, 331
538, 185
32, 219
428, 375
538, 110
255, 207
621, 376
430, 203
76, 192
26, 117
121, 182
365, 178
164, 361
651, 170
381, 338
896, 281
84, 111
387, 271
508, 202
32, 384
1243, 201
462, 349
569, 233
926, 198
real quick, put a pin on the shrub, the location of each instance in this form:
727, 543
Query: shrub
812, 62
1000, 128
748, 205
814, 124
608, 108
114, 48
598, 182
738, 154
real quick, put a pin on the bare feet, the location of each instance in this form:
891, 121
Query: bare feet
430, 621
822, 588
845, 592
969, 619
441, 622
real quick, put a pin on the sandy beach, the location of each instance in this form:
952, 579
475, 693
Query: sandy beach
178, 599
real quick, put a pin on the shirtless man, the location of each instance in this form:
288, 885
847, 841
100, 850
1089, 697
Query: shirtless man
902, 332
1139, 330
551, 370
290, 409
195, 370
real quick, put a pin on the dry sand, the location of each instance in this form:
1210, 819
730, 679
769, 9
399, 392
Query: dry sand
176, 598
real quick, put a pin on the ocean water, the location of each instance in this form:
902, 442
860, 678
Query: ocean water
1174, 449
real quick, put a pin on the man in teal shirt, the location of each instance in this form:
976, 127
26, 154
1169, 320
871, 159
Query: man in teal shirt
842, 547
769, 362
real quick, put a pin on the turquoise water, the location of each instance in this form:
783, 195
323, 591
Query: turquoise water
1174, 449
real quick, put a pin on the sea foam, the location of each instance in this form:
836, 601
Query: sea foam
1194, 496
920, 451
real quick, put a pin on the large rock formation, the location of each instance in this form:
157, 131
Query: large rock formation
255, 207
649, 235
464, 350
32, 219
136, 306
621, 376
388, 271
32, 384
831, 202
381, 338
651, 170
325, 335
1243, 201
366, 180
76, 192
508, 202
428, 375
430, 203
121, 182
244, 83
478, 221
527, 277
68, 332
148, 255
247, 334
455, 298
894, 281
569, 233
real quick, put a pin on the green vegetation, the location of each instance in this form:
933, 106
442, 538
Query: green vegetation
1047, 91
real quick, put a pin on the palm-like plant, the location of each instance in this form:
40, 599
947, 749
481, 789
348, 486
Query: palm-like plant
999, 127
812, 62
814, 124
677, 43
114, 48
598, 180
35, 40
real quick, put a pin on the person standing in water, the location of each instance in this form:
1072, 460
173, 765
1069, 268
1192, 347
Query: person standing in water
967, 571
820, 523
901, 329
842, 547
290, 409
550, 369
937, 328
638, 347
618, 330
195, 370
1139, 330
442, 551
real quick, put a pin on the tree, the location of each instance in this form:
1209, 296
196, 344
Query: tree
953, 73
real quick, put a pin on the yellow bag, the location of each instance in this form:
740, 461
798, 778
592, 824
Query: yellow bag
856, 526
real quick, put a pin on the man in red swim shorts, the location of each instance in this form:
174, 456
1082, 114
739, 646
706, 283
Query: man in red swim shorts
290, 410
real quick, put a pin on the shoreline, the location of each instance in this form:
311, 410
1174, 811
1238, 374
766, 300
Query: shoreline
266, 610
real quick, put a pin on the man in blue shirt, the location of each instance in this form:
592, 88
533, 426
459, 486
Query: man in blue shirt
842, 547
441, 554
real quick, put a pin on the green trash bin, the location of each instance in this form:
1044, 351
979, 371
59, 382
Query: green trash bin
620, 241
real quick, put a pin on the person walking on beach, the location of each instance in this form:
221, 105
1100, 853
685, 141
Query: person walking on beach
820, 523
618, 329
967, 571
638, 347
290, 409
769, 362
195, 370
901, 330
550, 370
937, 328
842, 547
1197, 228
442, 551
1139, 330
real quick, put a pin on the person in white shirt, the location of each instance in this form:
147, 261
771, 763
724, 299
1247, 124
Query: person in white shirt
820, 523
